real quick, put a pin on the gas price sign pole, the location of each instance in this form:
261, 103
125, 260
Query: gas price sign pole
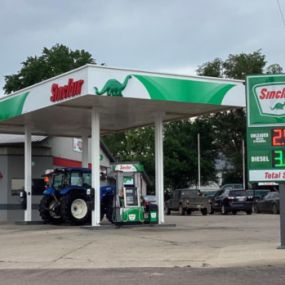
266, 134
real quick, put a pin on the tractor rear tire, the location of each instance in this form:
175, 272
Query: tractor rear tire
76, 208
47, 212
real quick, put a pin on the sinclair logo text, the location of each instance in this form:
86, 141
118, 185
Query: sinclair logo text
71, 89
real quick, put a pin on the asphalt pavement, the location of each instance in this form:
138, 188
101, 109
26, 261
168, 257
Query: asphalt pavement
198, 241
146, 276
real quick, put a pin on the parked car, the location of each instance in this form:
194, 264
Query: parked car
186, 201
257, 194
212, 199
232, 186
269, 204
226, 201
210, 194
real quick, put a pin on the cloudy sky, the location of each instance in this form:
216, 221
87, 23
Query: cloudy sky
158, 35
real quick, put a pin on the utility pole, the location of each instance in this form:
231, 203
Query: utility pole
199, 163
243, 165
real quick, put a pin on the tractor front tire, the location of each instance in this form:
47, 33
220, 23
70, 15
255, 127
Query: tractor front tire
48, 211
76, 208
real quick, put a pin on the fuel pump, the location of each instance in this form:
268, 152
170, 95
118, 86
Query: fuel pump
128, 204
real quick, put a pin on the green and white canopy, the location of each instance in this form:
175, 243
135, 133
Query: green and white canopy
93, 100
124, 98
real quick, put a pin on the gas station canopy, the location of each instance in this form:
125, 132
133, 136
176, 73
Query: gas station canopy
125, 99
93, 100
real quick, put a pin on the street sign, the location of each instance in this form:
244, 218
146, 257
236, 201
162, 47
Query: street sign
266, 128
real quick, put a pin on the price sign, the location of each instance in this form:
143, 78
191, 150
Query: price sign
266, 128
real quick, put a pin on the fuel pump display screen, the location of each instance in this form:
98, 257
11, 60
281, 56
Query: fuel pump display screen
128, 180
131, 196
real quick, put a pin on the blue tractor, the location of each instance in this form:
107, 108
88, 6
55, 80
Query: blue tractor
69, 197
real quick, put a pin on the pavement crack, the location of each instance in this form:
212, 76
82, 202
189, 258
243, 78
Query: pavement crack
71, 251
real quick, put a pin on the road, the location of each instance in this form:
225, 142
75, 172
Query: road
147, 276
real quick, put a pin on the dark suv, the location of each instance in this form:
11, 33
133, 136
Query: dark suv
232, 201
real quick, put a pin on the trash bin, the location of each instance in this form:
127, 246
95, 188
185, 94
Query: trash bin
153, 213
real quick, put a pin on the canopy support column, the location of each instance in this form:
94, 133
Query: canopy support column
159, 179
85, 151
28, 173
95, 150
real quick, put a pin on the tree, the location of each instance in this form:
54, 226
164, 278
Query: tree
239, 65
181, 163
213, 68
52, 62
229, 131
274, 69
134, 145
230, 126
180, 151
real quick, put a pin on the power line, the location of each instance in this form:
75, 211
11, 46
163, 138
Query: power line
281, 12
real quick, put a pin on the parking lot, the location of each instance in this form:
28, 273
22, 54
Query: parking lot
196, 241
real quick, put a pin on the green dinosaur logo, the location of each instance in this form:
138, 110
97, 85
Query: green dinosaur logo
113, 87
278, 106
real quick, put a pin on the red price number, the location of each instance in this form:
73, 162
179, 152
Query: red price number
278, 137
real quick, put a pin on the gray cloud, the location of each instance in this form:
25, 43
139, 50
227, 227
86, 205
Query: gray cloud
146, 34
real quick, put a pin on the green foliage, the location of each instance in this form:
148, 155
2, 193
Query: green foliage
181, 169
230, 129
52, 62
180, 151
134, 145
235, 66
230, 126
240, 65
274, 69
213, 68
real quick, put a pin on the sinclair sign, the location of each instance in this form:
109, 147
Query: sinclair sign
71, 89
266, 127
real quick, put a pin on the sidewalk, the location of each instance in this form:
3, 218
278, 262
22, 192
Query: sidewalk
196, 241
